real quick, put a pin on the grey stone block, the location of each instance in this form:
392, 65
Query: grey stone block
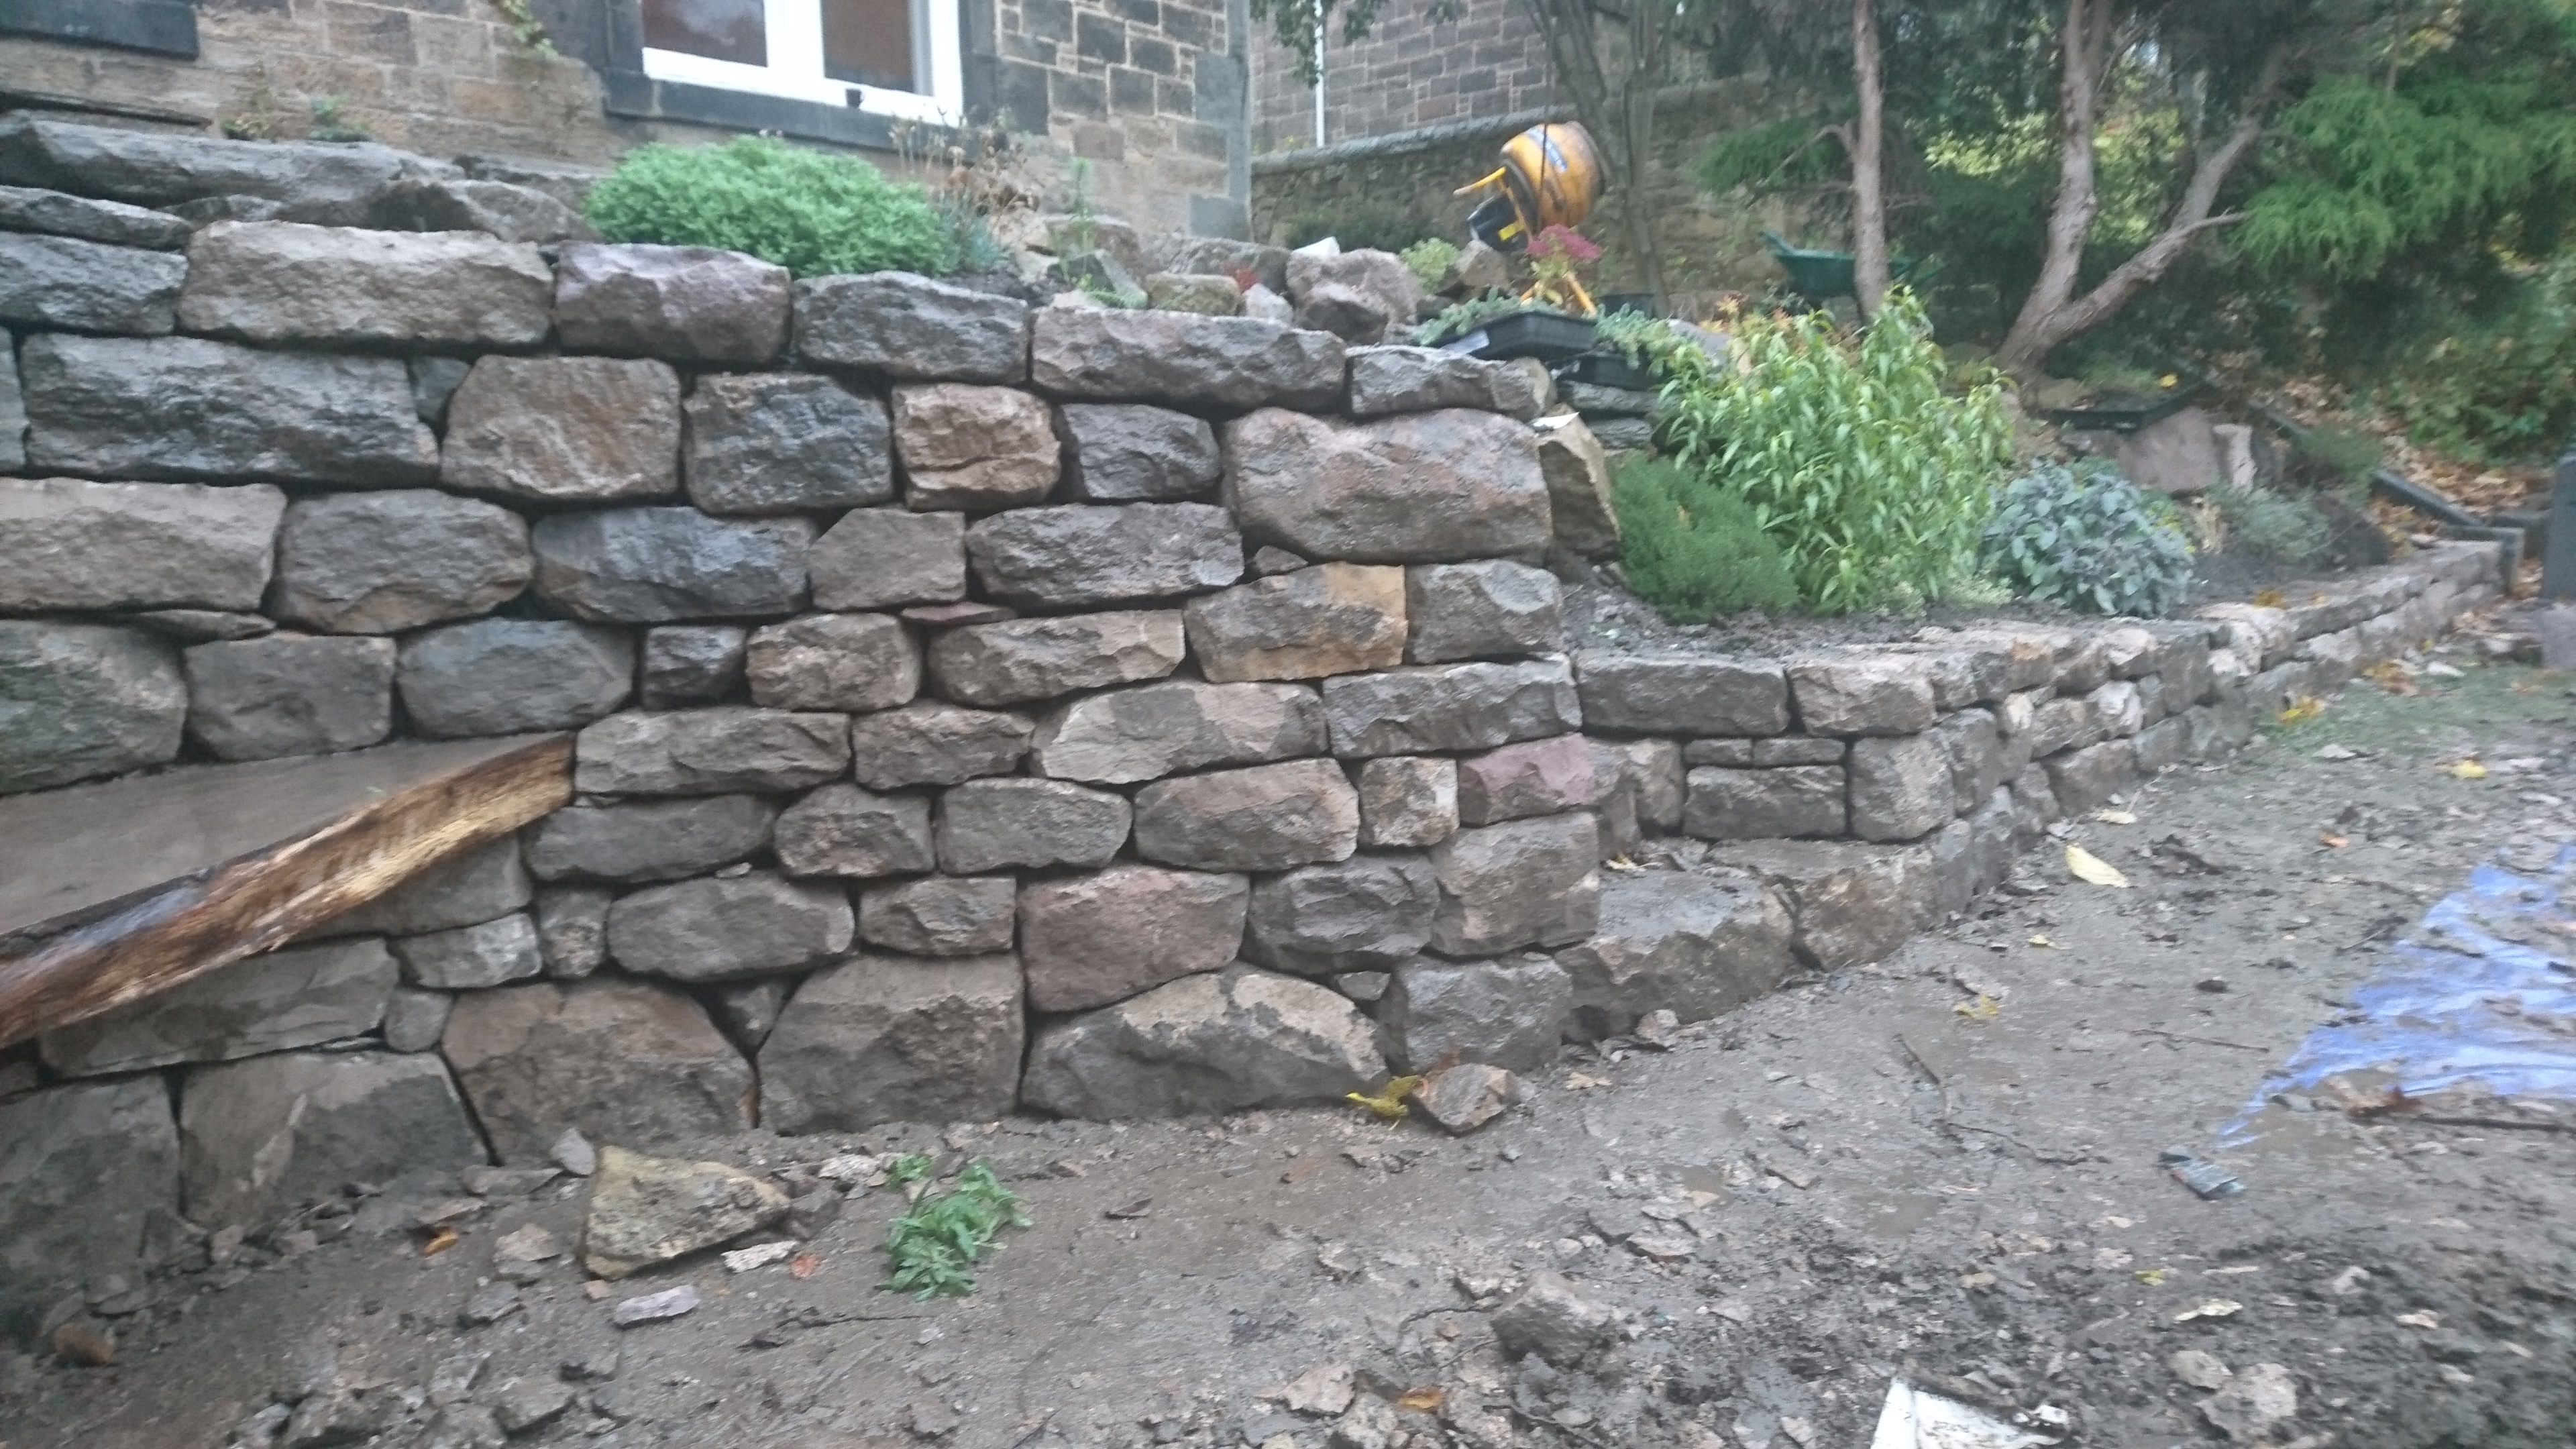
2086, 778
380, 563
1085, 555
885, 1038
1269, 817
1538, 777
1210, 1042
1223, 364
1408, 800
1089, 940
1901, 787
414, 1018
280, 281
990, 825
1862, 695
1423, 488
1398, 379
689, 304
1506, 1013
513, 676
840, 829
1683, 694
83, 700
88, 1165
618, 1060
565, 430
1475, 610
59, 283
1450, 707
720, 929
572, 930
909, 326
692, 664
56, 213
470, 958
1795, 800
260, 1138
785, 443
159, 168
936, 744
466, 889
940, 915
1695, 943
70, 544
1153, 730
709, 751
1525, 883
648, 840
1326, 619
659, 565
1367, 913
501, 209
1131, 453
297, 997
1020, 660
848, 662
876, 558
289, 694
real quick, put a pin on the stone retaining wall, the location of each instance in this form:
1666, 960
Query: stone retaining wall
979, 707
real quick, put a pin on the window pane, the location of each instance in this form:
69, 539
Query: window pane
735, 30
869, 43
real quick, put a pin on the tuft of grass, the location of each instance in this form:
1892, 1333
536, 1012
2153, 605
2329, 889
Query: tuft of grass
932, 1246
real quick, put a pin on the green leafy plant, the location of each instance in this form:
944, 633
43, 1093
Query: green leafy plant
1460, 318
1429, 260
811, 213
1871, 476
1645, 340
2268, 524
2086, 538
910, 1168
2344, 456
1694, 549
527, 33
331, 123
932, 1247
2502, 388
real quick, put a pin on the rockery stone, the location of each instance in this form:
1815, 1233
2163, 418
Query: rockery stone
565, 429
381, 563
890, 1038
70, 544
1020, 660
55, 213
909, 326
1328, 619
840, 829
512, 676
877, 558
1270, 817
1504, 1013
289, 694
648, 840
279, 281
1395, 379
990, 825
1083, 555
1366, 913
1408, 800
1577, 469
1211, 1042
785, 443
1089, 940
498, 208
655, 565
709, 751
151, 168
83, 286
1539, 777
1450, 707
928, 743
940, 915
1525, 883
1131, 453
724, 929
1435, 487
688, 304
80, 700
1364, 296
848, 662
1153, 730
1227, 364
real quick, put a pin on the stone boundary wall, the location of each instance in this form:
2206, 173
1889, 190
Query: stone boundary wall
979, 707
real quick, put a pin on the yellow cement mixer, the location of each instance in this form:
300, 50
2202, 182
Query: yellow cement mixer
1550, 176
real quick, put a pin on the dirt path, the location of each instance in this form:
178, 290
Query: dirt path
1851, 1180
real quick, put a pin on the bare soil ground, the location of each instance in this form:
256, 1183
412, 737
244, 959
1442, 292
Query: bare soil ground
1813, 1212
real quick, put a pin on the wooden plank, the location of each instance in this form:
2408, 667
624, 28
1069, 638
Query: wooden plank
109, 893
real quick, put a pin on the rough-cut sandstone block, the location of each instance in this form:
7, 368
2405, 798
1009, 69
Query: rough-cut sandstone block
1650, 771
88, 1165
1862, 695
469, 958
54, 282
1020, 660
853, 663
1089, 940
187, 408
648, 840
1540, 777
1366, 913
904, 325
1225, 364
380, 563
565, 429
936, 744
689, 304
1473, 610
1154, 730
80, 700
1397, 379
70, 544
1505, 1013
1526, 883
1329, 619
2118, 708
1851, 903
1900, 787
2089, 777
1424, 488
279, 281
1577, 470
709, 752
1083, 555
498, 208
975, 449
151, 168
1799, 800
723, 929
888, 1038
653, 565
1131, 453
1269, 817
477, 885
301, 996
842, 830
260, 1138
56, 213
940, 915
2061, 724
1683, 694
289, 694
1408, 800
785, 443
619, 1060
1364, 296
989, 825
1693, 943
877, 558
513, 676
1212, 1042
1974, 750
1450, 707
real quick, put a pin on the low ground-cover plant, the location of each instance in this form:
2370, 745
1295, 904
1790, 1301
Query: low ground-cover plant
1692, 548
932, 1247
2269, 524
1429, 260
2084, 537
811, 213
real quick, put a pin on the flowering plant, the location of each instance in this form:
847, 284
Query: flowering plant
1558, 258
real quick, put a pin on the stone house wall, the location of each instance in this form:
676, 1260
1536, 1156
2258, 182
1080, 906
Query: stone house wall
1409, 72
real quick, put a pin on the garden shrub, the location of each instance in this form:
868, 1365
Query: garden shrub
2504, 389
2086, 538
2267, 524
1428, 260
1870, 476
809, 212
1694, 549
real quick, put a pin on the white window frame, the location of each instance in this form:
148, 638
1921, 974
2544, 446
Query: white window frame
795, 69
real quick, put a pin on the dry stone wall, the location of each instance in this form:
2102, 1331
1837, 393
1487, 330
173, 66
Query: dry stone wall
978, 707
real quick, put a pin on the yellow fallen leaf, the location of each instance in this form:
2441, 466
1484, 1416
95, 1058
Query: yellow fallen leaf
2332, 841
2114, 817
1389, 1101
1424, 1400
2306, 707
2152, 1277
2084, 865
2468, 770
2210, 1308
2270, 599
2042, 940
1577, 1081
1981, 1009
439, 1242
2168, 380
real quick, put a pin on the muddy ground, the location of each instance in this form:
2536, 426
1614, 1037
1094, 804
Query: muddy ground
1832, 1216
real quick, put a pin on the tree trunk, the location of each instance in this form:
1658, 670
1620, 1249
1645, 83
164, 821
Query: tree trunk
1869, 203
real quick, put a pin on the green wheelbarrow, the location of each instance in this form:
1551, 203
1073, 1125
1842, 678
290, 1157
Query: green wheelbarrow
1820, 276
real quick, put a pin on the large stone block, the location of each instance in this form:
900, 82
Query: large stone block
1153, 730
1577, 470
1269, 817
260, 1138
1850, 903
1220, 364
466, 889
654, 565
60, 283
565, 430
2089, 777
940, 915
974, 449
159, 168
1972, 745
280, 281
688, 304
82, 1169
889, 1038
619, 1060
1683, 694
1366, 913
1089, 940
13, 414
2119, 708
1900, 787
936, 744
1506, 1013
848, 662
56, 213
648, 840
470, 958
1398, 379
1476, 610
876, 558
70, 544
840, 829
1694, 943
301, 996
1019, 660
1799, 800
1408, 800
1539, 777
691, 664
1131, 453
1329, 619
725, 929
188, 408
1450, 707
709, 751
1212, 1042
1862, 695
1525, 883
785, 443
1364, 296
1438, 487
1083, 555
82, 700
909, 326
380, 563
1649, 771
989, 825
289, 694
502, 209
513, 676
